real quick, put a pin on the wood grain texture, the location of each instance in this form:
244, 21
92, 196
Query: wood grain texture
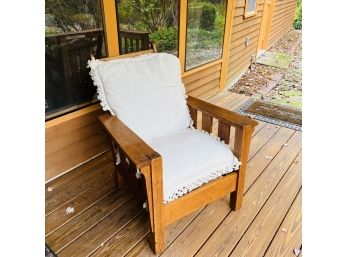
60, 216
116, 225
77, 188
74, 228
289, 234
280, 17
260, 233
98, 162
72, 140
283, 16
139, 152
91, 241
227, 235
200, 197
229, 117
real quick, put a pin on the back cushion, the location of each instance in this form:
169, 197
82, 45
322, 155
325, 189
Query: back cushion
145, 92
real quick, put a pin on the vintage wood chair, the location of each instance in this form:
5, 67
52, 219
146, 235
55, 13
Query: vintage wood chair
135, 158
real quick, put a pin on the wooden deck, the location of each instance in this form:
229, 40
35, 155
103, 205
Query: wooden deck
106, 221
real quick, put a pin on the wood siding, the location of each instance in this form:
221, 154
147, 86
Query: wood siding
73, 139
283, 17
204, 83
241, 54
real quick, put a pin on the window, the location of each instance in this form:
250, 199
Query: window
73, 30
250, 8
205, 31
142, 22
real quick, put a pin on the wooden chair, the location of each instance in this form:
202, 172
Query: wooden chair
136, 155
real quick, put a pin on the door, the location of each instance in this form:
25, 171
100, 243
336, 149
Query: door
266, 23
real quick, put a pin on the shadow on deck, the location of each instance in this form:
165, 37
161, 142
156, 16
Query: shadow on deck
87, 216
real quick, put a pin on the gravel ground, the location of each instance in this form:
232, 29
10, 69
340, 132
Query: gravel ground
289, 89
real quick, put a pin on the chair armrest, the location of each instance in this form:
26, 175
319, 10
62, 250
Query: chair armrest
134, 148
227, 116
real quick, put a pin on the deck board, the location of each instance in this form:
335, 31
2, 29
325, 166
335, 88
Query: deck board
110, 222
289, 234
73, 229
261, 231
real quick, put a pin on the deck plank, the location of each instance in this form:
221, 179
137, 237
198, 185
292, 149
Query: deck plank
270, 151
66, 180
76, 227
90, 241
123, 241
77, 188
80, 203
289, 234
191, 239
227, 235
143, 249
256, 239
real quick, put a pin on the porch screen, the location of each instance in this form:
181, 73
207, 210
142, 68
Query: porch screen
73, 30
205, 31
145, 21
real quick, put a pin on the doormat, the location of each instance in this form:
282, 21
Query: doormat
280, 115
279, 60
49, 252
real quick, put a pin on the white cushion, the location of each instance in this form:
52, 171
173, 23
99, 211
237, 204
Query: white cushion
190, 159
145, 92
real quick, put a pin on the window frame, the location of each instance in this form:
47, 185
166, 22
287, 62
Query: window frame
110, 26
211, 62
252, 13
108, 14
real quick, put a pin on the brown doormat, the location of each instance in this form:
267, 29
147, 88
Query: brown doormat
273, 113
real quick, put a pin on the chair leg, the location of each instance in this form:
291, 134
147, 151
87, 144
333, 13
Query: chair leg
236, 201
154, 191
157, 239
113, 152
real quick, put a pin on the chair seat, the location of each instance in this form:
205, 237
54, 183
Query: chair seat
192, 158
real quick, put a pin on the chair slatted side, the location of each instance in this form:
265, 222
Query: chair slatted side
193, 113
207, 122
224, 131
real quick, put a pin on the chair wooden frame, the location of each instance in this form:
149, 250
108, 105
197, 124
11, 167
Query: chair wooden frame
137, 156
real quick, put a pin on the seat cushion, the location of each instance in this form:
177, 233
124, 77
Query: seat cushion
145, 92
190, 159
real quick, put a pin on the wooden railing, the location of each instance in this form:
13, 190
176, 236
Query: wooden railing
134, 41
68, 83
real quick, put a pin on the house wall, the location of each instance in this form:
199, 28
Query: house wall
240, 54
203, 83
73, 139
283, 17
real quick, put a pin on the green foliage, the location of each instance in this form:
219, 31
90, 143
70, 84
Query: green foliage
203, 39
148, 15
68, 16
165, 39
298, 16
208, 16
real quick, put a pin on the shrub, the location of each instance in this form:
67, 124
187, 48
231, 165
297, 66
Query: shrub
200, 38
165, 39
298, 16
208, 16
